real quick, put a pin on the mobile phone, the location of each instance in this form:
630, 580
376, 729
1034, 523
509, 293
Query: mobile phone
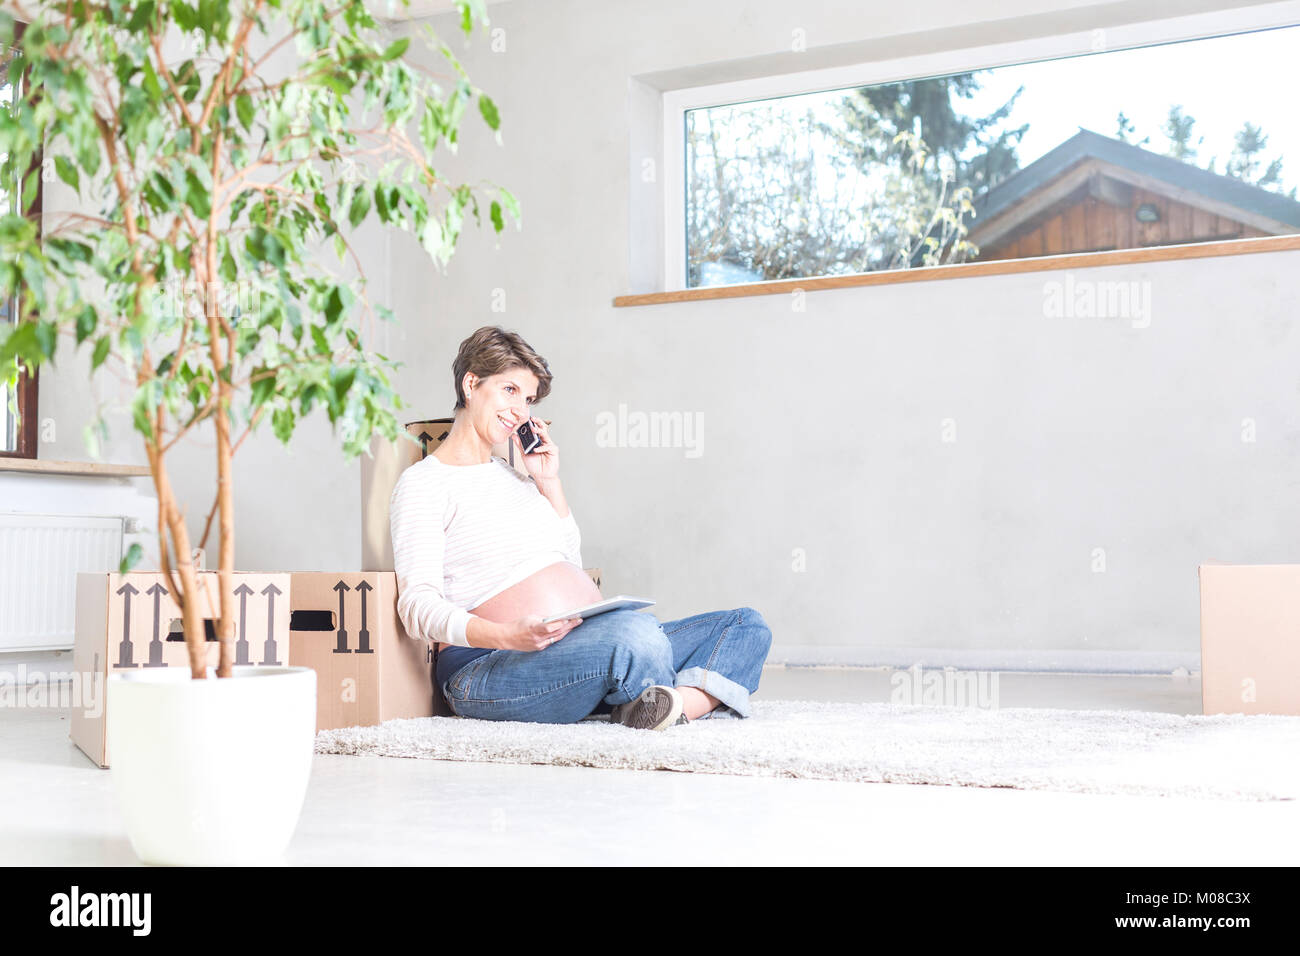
528, 438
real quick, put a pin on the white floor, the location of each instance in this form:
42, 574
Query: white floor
58, 808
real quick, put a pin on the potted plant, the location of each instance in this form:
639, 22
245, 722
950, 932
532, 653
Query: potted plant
201, 280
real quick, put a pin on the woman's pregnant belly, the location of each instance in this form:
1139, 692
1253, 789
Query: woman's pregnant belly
554, 589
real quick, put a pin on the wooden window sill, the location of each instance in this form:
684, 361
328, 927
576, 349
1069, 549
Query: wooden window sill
41, 466
1078, 260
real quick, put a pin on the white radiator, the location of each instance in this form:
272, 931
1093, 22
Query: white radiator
40, 556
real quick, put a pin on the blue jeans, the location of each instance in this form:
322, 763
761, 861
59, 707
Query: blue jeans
610, 659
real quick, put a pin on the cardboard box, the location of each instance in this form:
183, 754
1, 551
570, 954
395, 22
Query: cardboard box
130, 621
380, 471
1250, 638
344, 625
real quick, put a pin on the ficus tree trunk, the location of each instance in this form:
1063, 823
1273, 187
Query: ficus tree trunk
171, 524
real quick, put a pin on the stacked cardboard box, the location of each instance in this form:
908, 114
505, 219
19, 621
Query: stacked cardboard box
126, 622
344, 626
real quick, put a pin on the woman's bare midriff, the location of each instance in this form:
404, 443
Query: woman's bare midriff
554, 589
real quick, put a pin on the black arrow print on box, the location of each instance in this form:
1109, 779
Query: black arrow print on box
241, 645
342, 646
364, 636
124, 648
425, 438
156, 645
268, 649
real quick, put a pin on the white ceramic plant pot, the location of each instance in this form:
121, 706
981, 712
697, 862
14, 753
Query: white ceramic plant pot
211, 772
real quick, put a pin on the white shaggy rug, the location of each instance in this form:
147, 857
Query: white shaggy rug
1226, 757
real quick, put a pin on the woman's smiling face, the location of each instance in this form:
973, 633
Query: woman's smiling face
501, 403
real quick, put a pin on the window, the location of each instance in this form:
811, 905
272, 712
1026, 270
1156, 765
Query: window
1106, 141
17, 431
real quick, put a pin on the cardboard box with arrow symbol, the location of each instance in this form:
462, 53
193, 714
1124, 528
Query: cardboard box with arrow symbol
131, 621
344, 626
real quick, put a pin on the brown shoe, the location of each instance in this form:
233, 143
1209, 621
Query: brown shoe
657, 708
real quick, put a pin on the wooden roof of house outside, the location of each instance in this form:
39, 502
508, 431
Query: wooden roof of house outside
1098, 164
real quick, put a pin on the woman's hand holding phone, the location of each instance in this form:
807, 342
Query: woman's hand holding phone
542, 462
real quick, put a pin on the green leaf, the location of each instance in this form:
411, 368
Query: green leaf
470, 10
263, 388
396, 48
228, 269
142, 17
264, 247
32, 181
151, 84
86, 322
140, 412
132, 557
47, 334
497, 222
282, 420
342, 380
191, 80
67, 172
101, 353
65, 254
91, 436
158, 192
309, 397
333, 306
185, 15
433, 241
431, 124
196, 194
489, 110
510, 202
18, 345
207, 15
244, 110
360, 207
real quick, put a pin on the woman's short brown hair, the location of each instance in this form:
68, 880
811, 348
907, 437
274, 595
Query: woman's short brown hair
492, 350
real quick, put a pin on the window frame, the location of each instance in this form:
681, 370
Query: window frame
28, 382
675, 104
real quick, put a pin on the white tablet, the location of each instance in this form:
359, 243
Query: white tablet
620, 602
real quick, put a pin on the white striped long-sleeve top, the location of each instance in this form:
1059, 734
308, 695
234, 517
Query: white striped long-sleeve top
463, 533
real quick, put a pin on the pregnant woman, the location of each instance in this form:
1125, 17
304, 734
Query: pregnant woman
483, 554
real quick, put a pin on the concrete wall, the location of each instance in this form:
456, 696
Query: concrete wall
823, 430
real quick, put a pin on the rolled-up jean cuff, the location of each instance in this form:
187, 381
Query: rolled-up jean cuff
711, 682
